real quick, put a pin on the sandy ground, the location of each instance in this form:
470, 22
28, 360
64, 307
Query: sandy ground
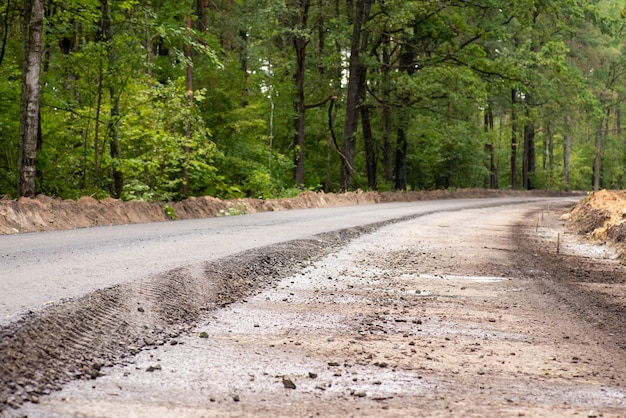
467, 314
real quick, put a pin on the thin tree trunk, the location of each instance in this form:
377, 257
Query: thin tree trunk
596, 160
96, 144
300, 43
401, 148
189, 79
513, 139
370, 147
366, 123
528, 158
488, 126
114, 122
348, 145
29, 111
566, 154
386, 114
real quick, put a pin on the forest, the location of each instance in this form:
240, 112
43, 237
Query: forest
160, 100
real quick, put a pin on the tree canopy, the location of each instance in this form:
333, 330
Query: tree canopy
160, 100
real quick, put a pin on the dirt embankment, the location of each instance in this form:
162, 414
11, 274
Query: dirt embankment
601, 216
44, 213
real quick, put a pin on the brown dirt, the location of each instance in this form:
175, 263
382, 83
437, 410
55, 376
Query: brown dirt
457, 314
44, 213
557, 327
601, 217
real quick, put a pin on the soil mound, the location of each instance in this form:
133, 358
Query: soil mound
601, 216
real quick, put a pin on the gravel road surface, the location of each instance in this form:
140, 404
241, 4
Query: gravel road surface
460, 310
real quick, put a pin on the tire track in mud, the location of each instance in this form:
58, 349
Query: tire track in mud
75, 339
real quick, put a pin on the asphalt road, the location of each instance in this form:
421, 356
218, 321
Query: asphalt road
37, 269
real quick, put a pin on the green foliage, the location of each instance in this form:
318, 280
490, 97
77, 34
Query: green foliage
170, 211
447, 63
238, 209
157, 149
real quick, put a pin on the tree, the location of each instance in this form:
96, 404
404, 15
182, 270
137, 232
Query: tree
114, 121
300, 40
29, 115
356, 82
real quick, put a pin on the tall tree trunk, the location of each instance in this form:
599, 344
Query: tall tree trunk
189, 80
598, 154
370, 147
300, 43
401, 148
488, 126
405, 62
566, 154
114, 122
528, 158
96, 140
366, 123
513, 139
386, 114
348, 144
29, 111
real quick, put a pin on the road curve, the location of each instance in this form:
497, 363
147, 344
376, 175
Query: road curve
37, 269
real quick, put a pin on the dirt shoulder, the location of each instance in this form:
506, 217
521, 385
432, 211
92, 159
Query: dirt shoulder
44, 213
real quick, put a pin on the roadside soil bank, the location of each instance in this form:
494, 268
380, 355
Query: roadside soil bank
44, 213
472, 313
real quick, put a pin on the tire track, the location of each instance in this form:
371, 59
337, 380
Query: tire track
76, 339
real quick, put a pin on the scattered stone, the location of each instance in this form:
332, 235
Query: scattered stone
140, 309
313, 375
153, 368
236, 398
288, 383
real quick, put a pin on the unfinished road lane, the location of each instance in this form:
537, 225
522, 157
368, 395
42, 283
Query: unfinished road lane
452, 314
40, 269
